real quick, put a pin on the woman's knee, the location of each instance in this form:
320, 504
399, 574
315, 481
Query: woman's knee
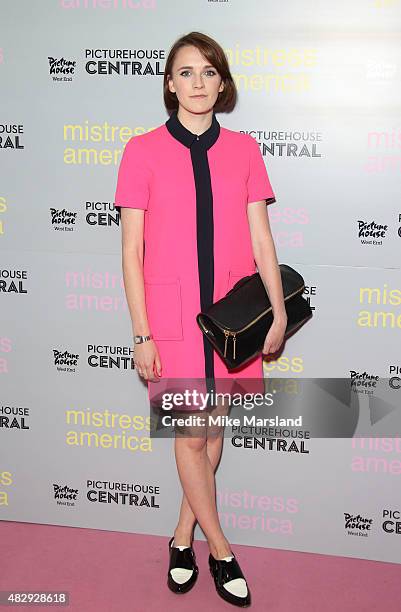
192, 437
194, 444
216, 426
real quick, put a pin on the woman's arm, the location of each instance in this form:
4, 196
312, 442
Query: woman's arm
266, 260
146, 354
132, 220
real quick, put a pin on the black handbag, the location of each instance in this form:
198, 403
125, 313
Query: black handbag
237, 324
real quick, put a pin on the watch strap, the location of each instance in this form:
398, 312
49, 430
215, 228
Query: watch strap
140, 339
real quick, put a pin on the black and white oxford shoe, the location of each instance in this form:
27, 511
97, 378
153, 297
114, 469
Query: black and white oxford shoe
183, 570
229, 580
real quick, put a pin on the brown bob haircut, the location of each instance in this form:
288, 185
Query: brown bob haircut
215, 55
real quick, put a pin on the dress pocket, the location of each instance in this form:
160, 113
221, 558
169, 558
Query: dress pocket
164, 307
235, 275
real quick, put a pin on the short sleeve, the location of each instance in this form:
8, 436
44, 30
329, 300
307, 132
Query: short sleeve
132, 189
258, 184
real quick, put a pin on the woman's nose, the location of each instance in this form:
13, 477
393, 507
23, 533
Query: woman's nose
198, 81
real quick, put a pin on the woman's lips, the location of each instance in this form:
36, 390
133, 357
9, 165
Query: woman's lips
198, 96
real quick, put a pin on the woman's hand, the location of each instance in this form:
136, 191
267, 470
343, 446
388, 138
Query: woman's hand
147, 361
275, 335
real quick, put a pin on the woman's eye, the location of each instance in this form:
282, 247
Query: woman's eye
209, 72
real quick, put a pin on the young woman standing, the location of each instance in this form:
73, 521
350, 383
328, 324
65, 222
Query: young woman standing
193, 201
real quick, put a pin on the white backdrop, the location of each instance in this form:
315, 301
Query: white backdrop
319, 89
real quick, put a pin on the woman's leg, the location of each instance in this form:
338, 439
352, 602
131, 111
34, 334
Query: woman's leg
197, 458
186, 522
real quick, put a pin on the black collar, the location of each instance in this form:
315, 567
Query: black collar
207, 139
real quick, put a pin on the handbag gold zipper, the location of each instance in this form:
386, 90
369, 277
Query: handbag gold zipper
233, 334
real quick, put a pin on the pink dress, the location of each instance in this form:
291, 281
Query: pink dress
195, 191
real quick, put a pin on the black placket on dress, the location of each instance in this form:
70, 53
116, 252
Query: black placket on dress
198, 146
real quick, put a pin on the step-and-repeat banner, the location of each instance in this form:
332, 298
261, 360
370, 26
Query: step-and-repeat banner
319, 89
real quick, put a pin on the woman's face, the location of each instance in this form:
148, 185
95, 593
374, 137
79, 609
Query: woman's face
196, 83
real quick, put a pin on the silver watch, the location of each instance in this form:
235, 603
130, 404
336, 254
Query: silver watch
140, 339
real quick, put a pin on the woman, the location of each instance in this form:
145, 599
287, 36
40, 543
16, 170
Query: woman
193, 197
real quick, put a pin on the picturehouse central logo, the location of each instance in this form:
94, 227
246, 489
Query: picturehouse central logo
128, 494
12, 281
287, 143
110, 357
11, 136
125, 62
391, 521
14, 417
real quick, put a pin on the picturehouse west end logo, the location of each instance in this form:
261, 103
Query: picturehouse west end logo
61, 69
65, 495
357, 525
63, 220
65, 361
362, 382
371, 233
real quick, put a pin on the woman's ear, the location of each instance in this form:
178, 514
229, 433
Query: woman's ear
170, 85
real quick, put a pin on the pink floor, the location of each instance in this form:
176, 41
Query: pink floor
111, 571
